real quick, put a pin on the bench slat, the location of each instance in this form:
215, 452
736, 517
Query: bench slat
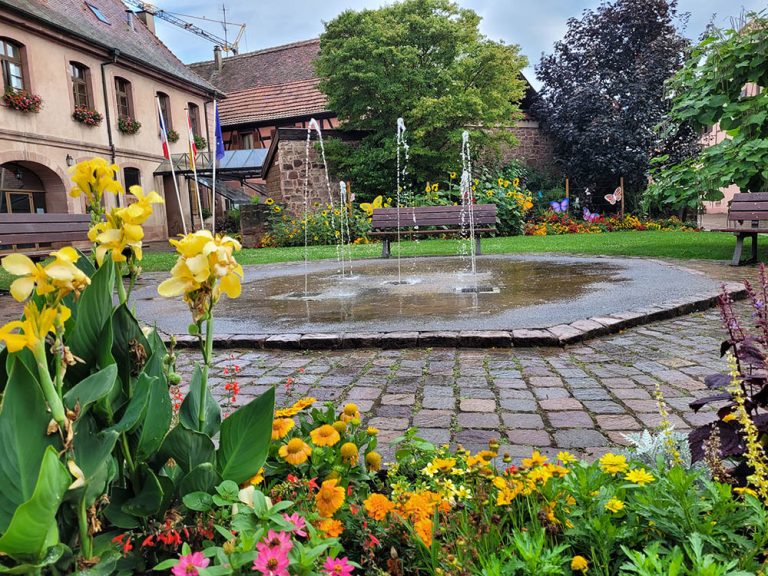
750, 197
747, 216
44, 218
32, 238
433, 232
37, 228
408, 222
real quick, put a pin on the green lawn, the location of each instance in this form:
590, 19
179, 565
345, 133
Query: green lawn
682, 245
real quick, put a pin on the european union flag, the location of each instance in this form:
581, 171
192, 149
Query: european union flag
219, 137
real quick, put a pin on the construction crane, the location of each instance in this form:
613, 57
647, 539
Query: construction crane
174, 19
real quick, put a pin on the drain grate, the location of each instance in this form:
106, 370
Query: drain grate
397, 283
302, 295
478, 290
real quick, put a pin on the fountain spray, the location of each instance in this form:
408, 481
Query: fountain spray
401, 175
467, 197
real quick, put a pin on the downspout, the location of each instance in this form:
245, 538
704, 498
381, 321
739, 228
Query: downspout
115, 56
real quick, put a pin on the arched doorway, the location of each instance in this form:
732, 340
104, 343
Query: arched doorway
30, 188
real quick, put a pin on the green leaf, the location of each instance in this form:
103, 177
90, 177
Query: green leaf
188, 414
198, 501
33, 527
23, 440
129, 340
188, 448
105, 567
202, 478
52, 556
92, 389
149, 498
156, 420
114, 512
93, 454
245, 438
137, 406
93, 310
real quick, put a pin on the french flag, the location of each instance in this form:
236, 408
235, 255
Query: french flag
163, 132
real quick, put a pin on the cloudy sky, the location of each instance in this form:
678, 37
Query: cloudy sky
533, 24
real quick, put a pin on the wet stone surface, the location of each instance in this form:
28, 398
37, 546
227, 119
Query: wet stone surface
582, 398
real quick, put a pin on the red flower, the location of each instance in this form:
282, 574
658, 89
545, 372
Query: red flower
148, 541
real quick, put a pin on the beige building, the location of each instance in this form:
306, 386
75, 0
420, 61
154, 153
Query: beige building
93, 56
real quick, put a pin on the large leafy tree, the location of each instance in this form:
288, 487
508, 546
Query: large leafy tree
603, 92
426, 61
719, 86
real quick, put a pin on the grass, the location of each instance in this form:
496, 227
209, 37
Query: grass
680, 245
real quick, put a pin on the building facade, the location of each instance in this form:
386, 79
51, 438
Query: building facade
92, 56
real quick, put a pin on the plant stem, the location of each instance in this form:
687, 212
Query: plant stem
127, 453
207, 352
49, 391
86, 542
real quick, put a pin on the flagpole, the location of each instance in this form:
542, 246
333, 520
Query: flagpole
170, 160
192, 160
213, 159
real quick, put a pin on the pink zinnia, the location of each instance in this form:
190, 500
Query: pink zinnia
337, 566
279, 541
271, 562
189, 564
298, 523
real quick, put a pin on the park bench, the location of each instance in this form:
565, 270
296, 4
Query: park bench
39, 234
430, 221
747, 215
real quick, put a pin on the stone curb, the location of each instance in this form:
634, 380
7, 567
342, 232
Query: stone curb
559, 335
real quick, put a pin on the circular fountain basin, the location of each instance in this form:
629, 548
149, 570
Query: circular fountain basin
433, 294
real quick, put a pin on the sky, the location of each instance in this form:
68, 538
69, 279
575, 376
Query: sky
533, 24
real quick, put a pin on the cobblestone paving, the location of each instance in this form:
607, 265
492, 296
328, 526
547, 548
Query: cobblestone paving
581, 398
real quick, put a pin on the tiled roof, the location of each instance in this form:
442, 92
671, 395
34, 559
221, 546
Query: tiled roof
139, 44
268, 67
288, 100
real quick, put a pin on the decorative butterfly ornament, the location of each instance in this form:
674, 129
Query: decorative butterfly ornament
559, 207
590, 216
368, 208
615, 197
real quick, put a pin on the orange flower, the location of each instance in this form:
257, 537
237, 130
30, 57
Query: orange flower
423, 529
350, 413
329, 498
281, 427
295, 452
326, 435
349, 453
378, 506
330, 528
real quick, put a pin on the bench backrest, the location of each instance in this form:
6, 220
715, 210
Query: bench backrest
484, 214
748, 207
37, 232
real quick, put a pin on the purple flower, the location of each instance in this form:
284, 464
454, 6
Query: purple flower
298, 524
189, 564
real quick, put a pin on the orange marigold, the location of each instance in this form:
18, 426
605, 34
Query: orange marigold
378, 506
330, 528
329, 498
423, 529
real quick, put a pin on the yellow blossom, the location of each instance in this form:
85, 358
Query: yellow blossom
613, 464
614, 505
257, 478
373, 461
33, 328
349, 453
579, 564
639, 476
295, 452
350, 414
93, 178
281, 427
60, 276
329, 498
330, 527
371, 431
536, 459
325, 435
566, 457
269, 201
378, 506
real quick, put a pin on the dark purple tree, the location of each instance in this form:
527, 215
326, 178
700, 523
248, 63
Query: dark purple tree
603, 94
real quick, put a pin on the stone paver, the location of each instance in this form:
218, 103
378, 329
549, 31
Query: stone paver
582, 398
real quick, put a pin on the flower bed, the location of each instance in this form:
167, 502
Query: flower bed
109, 469
128, 125
87, 116
22, 101
551, 223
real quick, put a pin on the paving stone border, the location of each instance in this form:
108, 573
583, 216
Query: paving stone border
559, 335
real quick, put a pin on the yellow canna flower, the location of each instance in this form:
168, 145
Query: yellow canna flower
34, 327
93, 178
32, 276
60, 276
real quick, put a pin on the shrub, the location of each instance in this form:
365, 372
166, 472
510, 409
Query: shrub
323, 225
201, 142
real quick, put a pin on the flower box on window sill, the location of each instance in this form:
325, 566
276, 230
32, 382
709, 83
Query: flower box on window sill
87, 116
128, 125
22, 101
173, 136
201, 142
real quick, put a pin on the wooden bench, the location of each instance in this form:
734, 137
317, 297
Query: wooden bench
430, 221
40, 234
747, 215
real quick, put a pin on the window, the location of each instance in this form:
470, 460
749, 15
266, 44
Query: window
132, 177
80, 91
97, 12
246, 140
10, 60
123, 94
194, 118
165, 108
21, 191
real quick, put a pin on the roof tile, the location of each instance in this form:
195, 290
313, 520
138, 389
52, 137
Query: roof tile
263, 103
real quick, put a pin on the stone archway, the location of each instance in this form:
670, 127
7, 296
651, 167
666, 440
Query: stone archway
27, 186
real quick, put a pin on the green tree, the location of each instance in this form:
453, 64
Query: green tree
426, 61
719, 85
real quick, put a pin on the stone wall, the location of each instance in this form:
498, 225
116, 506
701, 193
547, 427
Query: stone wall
254, 219
285, 180
534, 148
